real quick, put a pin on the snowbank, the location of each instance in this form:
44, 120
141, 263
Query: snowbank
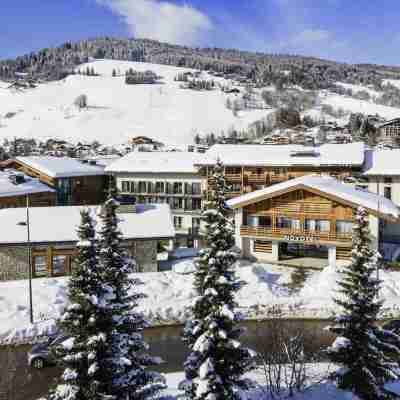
170, 293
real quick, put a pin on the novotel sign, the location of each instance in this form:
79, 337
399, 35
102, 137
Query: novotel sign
295, 238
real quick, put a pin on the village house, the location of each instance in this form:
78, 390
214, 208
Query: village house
20, 190
75, 182
252, 167
165, 177
381, 175
53, 238
307, 217
389, 133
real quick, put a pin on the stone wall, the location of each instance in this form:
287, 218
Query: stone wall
13, 263
145, 253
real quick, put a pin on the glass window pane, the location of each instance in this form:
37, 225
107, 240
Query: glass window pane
40, 265
59, 265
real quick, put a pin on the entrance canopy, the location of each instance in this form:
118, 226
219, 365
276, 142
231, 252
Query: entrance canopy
327, 187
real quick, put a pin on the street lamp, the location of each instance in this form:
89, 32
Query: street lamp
26, 223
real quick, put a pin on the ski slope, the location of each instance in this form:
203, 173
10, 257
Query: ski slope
118, 111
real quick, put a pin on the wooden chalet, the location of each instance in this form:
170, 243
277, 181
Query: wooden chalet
390, 133
76, 182
311, 216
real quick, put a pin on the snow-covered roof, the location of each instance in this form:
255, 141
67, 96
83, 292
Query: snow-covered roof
382, 162
59, 224
28, 186
325, 184
164, 162
351, 154
61, 167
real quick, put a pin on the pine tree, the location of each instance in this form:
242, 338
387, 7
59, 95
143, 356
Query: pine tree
84, 323
217, 361
362, 348
127, 356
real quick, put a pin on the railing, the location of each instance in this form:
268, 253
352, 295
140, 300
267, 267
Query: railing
233, 177
256, 178
297, 234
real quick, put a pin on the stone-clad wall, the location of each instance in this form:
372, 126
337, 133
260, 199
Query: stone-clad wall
13, 263
145, 254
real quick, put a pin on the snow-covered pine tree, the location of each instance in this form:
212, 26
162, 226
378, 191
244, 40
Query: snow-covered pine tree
362, 348
217, 361
127, 352
84, 323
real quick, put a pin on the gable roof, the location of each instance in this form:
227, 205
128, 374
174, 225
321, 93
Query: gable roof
351, 154
329, 186
59, 224
61, 167
157, 161
392, 121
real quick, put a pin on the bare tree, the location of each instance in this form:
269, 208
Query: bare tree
81, 101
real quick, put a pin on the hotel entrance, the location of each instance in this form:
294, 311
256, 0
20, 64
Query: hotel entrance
290, 251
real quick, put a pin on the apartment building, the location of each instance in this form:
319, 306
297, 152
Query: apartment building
253, 167
165, 177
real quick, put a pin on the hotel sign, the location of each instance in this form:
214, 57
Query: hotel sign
300, 238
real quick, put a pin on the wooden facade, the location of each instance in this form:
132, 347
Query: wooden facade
73, 190
246, 179
390, 133
301, 216
43, 199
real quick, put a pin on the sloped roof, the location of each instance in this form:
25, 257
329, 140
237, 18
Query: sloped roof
351, 154
327, 185
59, 224
29, 186
157, 161
61, 167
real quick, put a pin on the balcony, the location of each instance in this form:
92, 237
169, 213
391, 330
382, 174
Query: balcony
233, 177
257, 179
281, 233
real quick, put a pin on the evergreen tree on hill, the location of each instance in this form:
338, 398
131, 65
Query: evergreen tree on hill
84, 323
363, 349
217, 361
127, 352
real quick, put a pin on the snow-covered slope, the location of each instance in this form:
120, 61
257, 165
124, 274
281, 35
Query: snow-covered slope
118, 111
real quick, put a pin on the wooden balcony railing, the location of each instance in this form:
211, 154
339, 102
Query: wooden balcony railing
233, 177
258, 179
297, 234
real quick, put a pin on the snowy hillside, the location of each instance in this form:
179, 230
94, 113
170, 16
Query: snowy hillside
117, 111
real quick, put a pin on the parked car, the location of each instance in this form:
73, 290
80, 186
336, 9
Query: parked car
40, 354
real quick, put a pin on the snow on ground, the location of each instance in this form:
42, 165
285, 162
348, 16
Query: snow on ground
170, 293
394, 82
349, 104
318, 387
359, 88
118, 111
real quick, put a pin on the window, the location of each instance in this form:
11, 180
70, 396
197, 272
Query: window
344, 226
178, 222
125, 186
142, 187
196, 204
159, 187
196, 222
178, 188
150, 187
177, 203
387, 192
60, 265
317, 225
387, 179
235, 187
284, 222
188, 188
196, 188
40, 265
169, 188
265, 221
